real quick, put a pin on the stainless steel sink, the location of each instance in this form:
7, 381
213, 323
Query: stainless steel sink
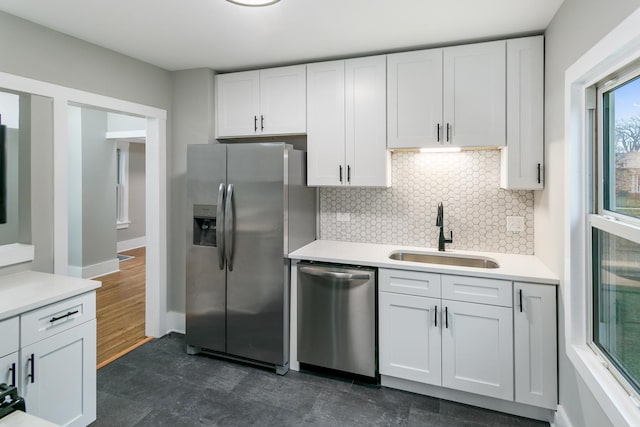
448, 259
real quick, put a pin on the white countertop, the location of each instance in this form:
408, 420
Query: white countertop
21, 419
28, 290
527, 268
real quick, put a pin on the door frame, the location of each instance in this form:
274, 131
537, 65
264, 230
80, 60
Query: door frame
155, 185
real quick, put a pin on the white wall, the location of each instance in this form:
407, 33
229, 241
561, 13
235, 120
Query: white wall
577, 26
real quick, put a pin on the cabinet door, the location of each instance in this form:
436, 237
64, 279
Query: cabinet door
477, 349
535, 344
410, 337
283, 101
58, 376
522, 159
9, 369
414, 99
367, 158
238, 104
325, 123
474, 94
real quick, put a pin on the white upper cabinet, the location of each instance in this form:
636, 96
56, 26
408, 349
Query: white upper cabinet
414, 99
261, 103
452, 96
523, 158
346, 123
474, 94
325, 123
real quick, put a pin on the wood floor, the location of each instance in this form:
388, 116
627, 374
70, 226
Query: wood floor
120, 305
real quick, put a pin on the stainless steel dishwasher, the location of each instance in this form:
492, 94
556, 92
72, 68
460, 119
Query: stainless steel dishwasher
337, 318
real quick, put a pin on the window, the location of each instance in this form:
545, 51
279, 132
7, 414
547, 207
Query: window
122, 182
615, 228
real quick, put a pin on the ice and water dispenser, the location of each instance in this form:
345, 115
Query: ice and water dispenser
204, 225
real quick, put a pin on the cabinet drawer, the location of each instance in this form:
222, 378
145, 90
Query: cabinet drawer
409, 282
474, 289
55, 318
9, 332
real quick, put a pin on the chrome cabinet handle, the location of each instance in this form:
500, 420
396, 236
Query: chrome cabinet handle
228, 227
328, 274
220, 226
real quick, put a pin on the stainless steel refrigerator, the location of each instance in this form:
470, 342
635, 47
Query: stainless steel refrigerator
249, 206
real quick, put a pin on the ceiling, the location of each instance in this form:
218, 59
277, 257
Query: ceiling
184, 34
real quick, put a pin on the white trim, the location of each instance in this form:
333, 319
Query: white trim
94, 270
156, 271
15, 253
561, 419
127, 245
176, 322
616, 227
122, 225
127, 134
617, 49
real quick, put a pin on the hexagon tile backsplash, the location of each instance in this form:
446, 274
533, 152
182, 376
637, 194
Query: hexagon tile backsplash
468, 185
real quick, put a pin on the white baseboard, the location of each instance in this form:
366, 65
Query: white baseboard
561, 419
176, 322
127, 245
95, 270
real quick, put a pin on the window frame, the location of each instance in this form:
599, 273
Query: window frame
123, 146
600, 218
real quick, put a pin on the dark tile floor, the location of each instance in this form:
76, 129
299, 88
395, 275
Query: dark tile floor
158, 384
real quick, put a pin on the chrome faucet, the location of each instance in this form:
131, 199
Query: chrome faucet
440, 223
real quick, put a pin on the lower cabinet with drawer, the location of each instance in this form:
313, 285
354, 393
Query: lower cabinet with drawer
484, 336
52, 359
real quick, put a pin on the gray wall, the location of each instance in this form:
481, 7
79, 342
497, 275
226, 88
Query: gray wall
33, 51
42, 182
136, 194
577, 26
92, 223
193, 118
98, 190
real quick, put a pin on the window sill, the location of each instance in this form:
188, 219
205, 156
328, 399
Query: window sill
614, 400
122, 225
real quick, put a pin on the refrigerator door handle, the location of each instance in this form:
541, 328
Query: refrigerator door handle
228, 227
220, 226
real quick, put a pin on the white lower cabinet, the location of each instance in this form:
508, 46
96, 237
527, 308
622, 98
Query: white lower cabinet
499, 343
535, 344
9, 369
58, 376
410, 331
477, 349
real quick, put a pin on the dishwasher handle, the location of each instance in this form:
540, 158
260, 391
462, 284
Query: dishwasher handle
328, 274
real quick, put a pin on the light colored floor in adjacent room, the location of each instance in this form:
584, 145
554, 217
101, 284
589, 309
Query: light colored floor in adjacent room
120, 305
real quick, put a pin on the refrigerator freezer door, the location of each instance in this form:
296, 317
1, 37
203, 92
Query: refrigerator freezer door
257, 287
205, 296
